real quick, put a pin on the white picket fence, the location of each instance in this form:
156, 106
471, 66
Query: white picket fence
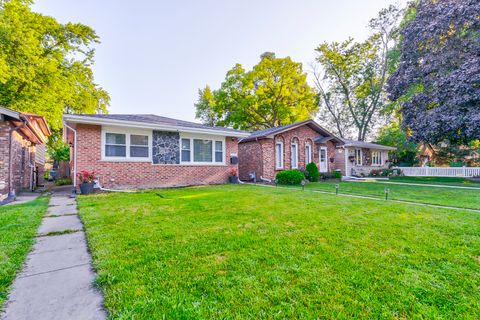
440, 171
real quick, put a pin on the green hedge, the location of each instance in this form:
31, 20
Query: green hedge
290, 177
312, 172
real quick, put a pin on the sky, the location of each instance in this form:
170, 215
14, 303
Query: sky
154, 56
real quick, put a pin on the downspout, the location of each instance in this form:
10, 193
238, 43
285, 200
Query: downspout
11, 191
74, 190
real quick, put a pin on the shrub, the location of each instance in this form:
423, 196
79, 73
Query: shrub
337, 174
63, 182
312, 172
290, 177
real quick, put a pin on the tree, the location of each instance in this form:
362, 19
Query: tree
45, 66
275, 92
406, 152
350, 77
437, 83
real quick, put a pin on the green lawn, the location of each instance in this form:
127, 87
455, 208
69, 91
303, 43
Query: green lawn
463, 198
250, 252
452, 181
18, 225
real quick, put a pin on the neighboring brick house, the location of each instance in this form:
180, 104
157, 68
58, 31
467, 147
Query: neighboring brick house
147, 151
293, 146
22, 151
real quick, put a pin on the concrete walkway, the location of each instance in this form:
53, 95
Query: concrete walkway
56, 282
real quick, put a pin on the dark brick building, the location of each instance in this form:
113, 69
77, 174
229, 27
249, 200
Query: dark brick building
22, 151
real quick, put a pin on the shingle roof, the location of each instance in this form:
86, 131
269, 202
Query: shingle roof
260, 134
154, 119
367, 145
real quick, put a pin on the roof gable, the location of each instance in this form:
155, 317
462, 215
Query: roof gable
270, 132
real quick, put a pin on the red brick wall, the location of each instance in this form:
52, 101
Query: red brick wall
250, 159
145, 174
260, 156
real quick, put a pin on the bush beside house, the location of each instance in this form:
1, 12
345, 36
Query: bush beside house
291, 177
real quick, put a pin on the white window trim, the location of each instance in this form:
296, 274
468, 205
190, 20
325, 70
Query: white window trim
192, 137
308, 153
294, 144
127, 132
379, 156
355, 157
282, 164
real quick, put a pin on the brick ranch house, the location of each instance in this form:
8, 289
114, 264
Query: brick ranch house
293, 146
147, 151
22, 151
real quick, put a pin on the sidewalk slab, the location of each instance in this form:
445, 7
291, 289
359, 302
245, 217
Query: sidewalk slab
57, 252
56, 282
60, 295
62, 201
61, 210
59, 224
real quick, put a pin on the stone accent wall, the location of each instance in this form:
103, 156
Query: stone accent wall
123, 175
166, 148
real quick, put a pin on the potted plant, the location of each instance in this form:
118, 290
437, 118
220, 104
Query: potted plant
86, 181
233, 175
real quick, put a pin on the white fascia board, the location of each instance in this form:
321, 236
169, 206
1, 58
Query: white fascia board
377, 147
132, 124
10, 113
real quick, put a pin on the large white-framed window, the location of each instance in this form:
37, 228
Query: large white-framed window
126, 144
202, 150
308, 153
279, 154
294, 155
358, 157
377, 158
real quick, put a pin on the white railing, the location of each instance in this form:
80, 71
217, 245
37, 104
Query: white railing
440, 171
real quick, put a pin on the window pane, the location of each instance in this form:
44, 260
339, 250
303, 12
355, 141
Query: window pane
218, 151
186, 155
139, 152
186, 144
294, 155
115, 138
279, 155
136, 140
115, 151
202, 150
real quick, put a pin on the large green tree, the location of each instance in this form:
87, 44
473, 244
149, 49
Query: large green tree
350, 77
45, 66
275, 92
393, 135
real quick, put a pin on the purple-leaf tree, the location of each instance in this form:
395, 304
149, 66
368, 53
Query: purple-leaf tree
438, 78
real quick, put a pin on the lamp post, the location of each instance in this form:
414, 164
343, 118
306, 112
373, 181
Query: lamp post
387, 190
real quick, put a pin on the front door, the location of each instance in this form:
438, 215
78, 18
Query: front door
323, 159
